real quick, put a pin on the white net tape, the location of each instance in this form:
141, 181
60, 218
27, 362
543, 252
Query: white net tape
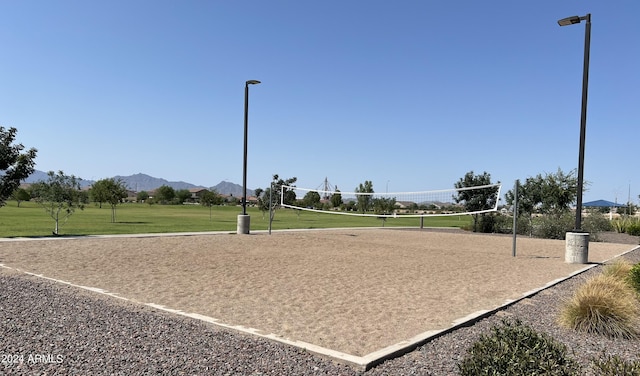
473, 200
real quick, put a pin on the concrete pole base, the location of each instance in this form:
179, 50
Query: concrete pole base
243, 224
577, 248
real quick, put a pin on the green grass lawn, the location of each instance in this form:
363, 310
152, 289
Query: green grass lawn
30, 220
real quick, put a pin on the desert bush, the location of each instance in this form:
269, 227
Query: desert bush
608, 365
596, 223
603, 305
503, 224
516, 349
553, 227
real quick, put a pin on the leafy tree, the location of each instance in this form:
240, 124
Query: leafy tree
384, 205
142, 196
311, 199
559, 191
475, 200
336, 199
210, 198
529, 199
364, 201
182, 195
164, 194
551, 195
60, 196
273, 193
111, 191
15, 165
258, 192
20, 195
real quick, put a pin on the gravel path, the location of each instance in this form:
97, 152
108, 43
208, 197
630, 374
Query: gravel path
48, 328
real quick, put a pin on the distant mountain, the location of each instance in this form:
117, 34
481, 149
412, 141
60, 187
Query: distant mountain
142, 182
43, 176
227, 188
36, 177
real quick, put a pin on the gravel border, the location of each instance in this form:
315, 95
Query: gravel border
54, 329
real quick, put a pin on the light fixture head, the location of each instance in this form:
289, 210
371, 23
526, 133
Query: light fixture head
569, 21
252, 82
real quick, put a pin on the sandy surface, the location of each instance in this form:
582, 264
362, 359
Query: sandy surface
354, 291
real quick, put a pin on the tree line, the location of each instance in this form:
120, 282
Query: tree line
550, 195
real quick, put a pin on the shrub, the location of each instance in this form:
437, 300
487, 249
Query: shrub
603, 305
595, 223
634, 277
620, 225
608, 365
552, 227
503, 224
634, 228
627, 225
515, 349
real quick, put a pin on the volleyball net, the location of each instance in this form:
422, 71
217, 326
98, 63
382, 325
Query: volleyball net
444, 202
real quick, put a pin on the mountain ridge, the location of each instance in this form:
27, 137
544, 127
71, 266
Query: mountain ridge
143, 182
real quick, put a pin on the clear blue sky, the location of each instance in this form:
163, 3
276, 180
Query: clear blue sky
408, 94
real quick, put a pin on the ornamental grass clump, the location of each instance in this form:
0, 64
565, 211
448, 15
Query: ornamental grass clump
516, 349
620, 269
604, 305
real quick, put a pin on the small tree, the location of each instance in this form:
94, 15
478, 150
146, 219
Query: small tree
20, 195
336, 199
311, 199
182, 195
164, 194
59, 196
271, 197
15, 165
210, 198
364, 201
142, 196
384, 205
111, 191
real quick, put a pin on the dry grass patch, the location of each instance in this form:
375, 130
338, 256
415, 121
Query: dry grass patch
620, 269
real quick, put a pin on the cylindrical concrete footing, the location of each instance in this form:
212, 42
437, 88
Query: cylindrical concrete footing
243, 224
577, 248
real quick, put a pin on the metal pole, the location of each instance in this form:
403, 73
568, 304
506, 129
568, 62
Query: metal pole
583, 120
515, 217
270, 206
244, 166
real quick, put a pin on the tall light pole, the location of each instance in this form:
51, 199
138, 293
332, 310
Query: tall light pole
243, 219
583, 114
577, 241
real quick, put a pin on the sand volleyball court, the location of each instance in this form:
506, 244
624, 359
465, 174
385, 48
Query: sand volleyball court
354, 291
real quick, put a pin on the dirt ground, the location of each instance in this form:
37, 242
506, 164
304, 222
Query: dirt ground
354, 291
